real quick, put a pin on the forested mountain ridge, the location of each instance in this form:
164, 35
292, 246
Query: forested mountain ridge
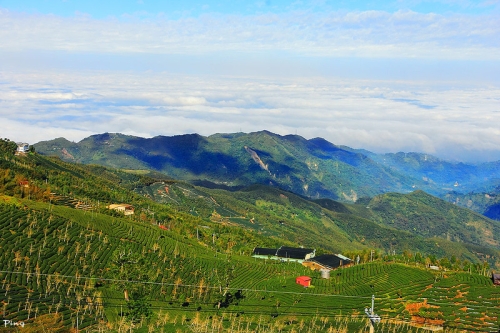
452, 176
485, 200
314, 168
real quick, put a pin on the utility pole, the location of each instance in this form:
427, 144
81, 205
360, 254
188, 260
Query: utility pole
374, 318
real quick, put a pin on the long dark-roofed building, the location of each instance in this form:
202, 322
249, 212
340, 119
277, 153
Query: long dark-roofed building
284, 253
327, 261
262, 251
295, 253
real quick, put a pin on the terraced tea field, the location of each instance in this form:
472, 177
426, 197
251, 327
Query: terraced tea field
62, 260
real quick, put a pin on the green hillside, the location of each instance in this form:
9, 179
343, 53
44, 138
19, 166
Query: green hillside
386, 222
411, 222
314, 168
401, 222
67, 261
429, 216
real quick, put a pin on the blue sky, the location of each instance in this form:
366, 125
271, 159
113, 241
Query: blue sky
193, 8
386, 76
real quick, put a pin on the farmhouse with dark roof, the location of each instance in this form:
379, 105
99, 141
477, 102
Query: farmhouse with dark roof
284, 253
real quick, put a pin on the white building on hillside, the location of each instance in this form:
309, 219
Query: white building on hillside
22, 147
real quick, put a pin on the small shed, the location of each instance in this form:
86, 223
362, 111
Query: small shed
496, 279
303, 281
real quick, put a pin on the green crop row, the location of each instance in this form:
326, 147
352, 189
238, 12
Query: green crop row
70, 243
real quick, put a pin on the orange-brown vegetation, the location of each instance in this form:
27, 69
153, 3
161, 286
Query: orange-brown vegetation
414, 309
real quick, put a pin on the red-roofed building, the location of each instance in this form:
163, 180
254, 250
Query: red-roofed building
303, 281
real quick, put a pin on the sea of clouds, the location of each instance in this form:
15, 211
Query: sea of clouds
386, 82
381, 116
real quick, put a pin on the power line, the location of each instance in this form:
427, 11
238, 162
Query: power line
37, 297
184, 285
227, 288
84, 302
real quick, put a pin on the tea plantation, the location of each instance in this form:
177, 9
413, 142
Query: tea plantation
66, 262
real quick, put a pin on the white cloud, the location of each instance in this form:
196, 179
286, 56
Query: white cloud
375, 115
184, 100
404, 34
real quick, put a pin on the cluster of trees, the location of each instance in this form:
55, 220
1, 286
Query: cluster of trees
7, 147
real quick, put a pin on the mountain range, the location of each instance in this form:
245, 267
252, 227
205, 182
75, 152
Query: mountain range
313, 168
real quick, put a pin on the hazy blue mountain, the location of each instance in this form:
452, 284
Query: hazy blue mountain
444, 175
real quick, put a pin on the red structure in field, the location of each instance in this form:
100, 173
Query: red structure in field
303, 281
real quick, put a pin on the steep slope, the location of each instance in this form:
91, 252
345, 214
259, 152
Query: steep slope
324, 224
78, 270
267, 215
